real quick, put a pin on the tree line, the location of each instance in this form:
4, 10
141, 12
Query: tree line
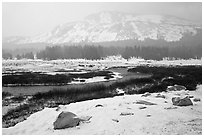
29, 55
98, 52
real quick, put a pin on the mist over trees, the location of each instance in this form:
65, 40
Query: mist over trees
71, 52
98, 52
28, 55
6, 55
158, 53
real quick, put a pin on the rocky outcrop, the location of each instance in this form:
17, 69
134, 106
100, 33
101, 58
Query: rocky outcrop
66, 120
69, 119
186, 101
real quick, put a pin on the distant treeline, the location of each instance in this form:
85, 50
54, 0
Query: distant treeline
7, 55
97, 52
158, 53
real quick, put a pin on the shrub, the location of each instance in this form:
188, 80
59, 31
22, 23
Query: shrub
188, 76
6, 94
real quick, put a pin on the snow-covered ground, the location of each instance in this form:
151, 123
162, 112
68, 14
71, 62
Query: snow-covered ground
95, 79
75, 65
163, 118
80, 66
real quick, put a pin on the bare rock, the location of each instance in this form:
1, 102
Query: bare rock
146, 94
191, 96
58, 108
196, 99
186, 101
85, 118
126, 113
170, 108
144, 102
99, 105
66, 120
115, 120
142, 107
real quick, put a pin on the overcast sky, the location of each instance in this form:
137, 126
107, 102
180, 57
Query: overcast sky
28, 19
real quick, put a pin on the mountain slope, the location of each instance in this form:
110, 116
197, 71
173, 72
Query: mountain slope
115, 26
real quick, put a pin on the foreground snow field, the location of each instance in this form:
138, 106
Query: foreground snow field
162, 118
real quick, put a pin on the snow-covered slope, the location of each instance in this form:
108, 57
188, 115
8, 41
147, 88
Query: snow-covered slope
115, 26
137, 119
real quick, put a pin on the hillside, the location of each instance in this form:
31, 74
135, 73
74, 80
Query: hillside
117, 30
114, 26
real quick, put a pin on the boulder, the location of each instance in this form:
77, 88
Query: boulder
186, 101
196, 99
66, 120
176, 88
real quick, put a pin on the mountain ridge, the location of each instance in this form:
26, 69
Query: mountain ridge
114, 26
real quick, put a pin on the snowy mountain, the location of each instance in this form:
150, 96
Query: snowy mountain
115, 26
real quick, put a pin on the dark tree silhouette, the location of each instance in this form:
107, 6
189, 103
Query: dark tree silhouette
96, 52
